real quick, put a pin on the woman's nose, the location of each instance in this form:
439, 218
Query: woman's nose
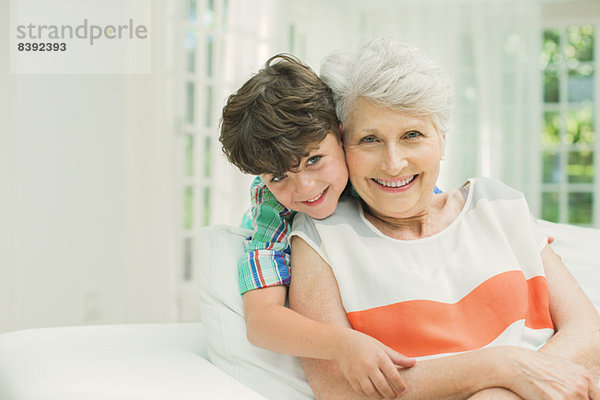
394, 160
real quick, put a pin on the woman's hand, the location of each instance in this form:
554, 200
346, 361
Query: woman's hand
371, 367
541, 376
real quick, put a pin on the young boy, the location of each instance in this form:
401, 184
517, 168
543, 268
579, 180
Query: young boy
281, 125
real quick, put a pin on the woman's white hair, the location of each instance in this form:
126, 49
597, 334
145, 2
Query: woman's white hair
392, 74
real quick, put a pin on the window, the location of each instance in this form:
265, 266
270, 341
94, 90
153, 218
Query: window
570, 148
197, 142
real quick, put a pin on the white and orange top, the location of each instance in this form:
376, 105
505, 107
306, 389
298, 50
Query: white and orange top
479, 282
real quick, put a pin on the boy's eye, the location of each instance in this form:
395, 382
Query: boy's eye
278, 178
312, 160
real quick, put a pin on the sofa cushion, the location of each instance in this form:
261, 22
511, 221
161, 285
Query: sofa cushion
273, 375
115, 362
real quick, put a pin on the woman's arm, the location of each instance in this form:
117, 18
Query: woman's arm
575, 318
314, 293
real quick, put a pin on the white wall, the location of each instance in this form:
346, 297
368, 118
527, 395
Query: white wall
87, 232
323, 27
7, 184
571, 11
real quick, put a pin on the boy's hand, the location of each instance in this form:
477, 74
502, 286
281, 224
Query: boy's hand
495, 394
370, 366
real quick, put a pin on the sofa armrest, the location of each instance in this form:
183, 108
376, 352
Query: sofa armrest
154, 361
578, 248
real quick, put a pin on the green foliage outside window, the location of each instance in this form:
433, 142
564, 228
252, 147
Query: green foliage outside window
551, 87
551, 134
580, 208
550, 206
188, 208
551, 49
580, 168
188, 157
580, 44
568, 131
580, 126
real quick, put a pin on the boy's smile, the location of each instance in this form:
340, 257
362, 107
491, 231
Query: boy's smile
317, 199
316, 185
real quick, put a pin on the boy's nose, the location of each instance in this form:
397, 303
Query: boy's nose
304, 182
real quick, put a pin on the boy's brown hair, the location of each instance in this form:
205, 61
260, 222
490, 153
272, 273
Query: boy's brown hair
272, 121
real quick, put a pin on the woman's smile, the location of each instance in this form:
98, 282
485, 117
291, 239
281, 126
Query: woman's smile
395, 185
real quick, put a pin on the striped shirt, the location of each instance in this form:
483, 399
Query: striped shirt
479, 282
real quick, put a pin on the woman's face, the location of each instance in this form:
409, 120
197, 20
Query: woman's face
393, 159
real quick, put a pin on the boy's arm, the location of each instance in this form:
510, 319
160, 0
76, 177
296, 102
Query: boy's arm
273, 326
368, 365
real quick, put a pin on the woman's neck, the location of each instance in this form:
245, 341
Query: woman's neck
442, 211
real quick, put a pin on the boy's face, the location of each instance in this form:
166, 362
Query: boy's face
315, 187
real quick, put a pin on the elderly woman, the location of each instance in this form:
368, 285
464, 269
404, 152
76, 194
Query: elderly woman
464, 280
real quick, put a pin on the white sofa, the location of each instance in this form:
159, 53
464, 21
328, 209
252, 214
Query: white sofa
207, 360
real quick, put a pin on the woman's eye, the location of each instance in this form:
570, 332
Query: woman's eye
413, 134
312, 160
368, 139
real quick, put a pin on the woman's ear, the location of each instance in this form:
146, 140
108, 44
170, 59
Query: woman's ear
443, 147
341, 134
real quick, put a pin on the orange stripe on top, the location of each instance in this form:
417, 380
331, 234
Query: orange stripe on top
419, 328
